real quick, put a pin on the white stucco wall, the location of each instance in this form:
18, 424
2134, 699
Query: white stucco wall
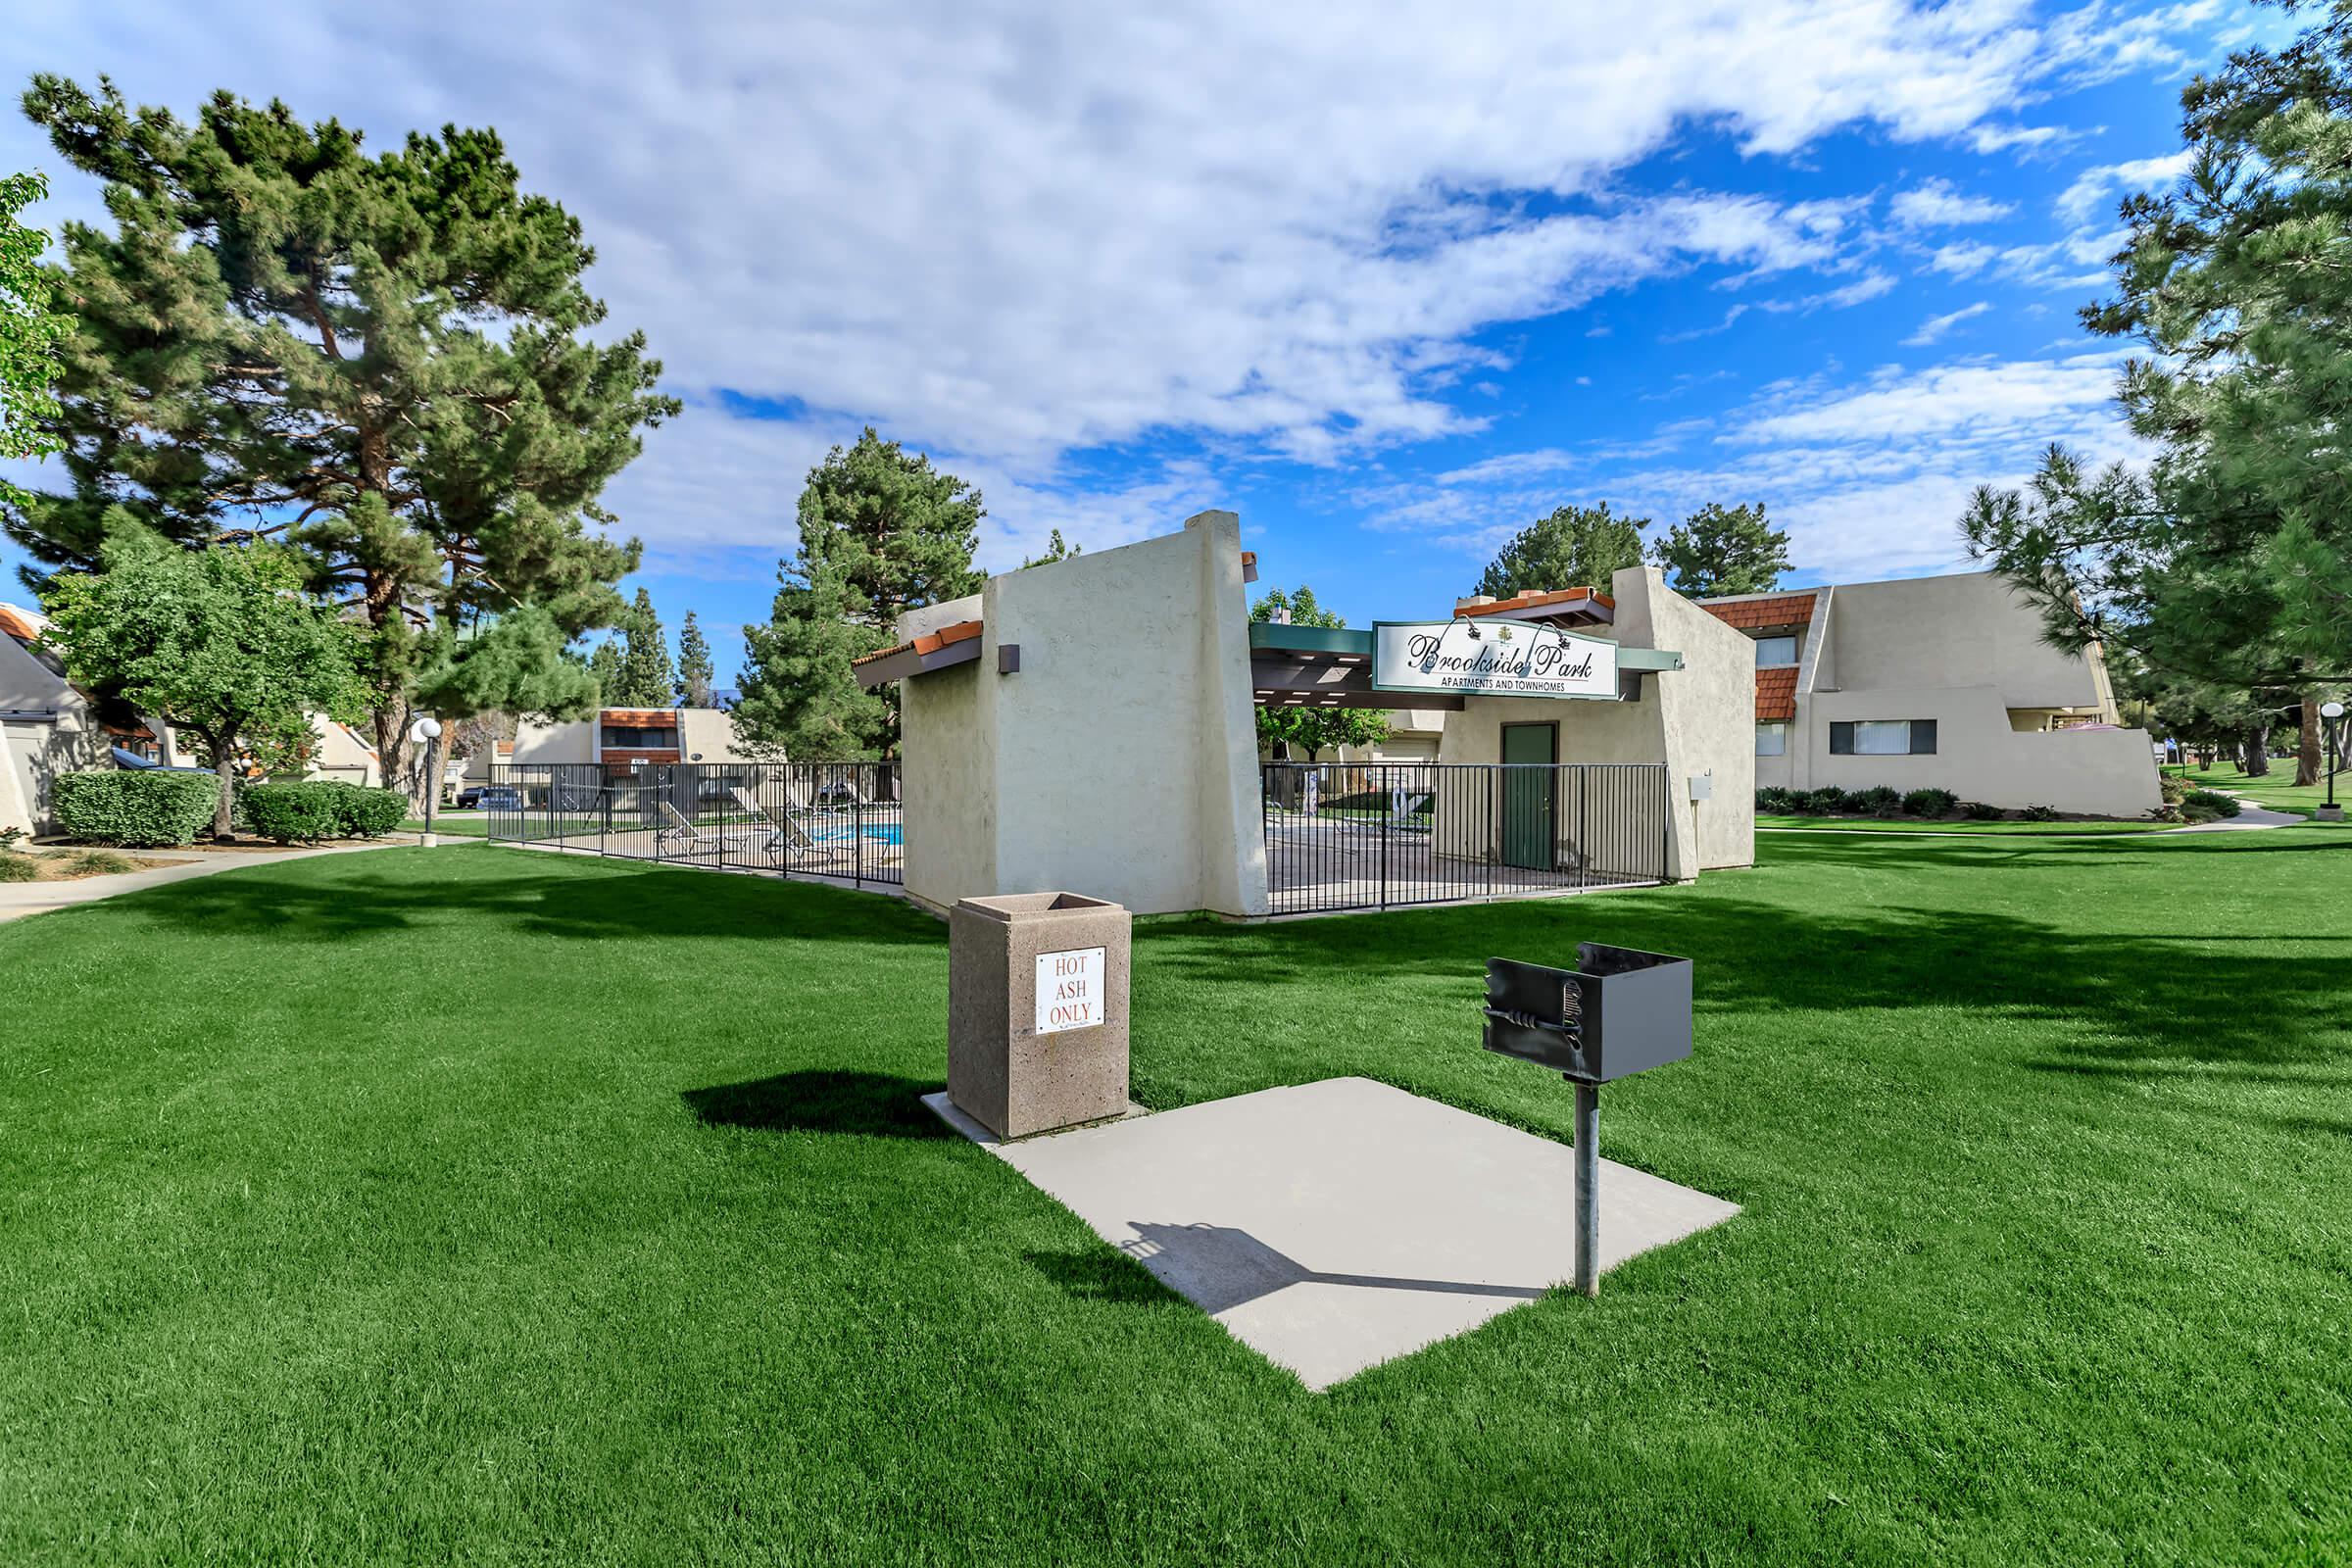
1978, 756
571, 740
1966, 629
1120, 760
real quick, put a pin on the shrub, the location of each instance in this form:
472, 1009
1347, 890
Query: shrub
93, 862
2173, 787
14, 867
1774, 800
2039, 814
1931, 802
2193, 813
291, 814
366, 813
1980, 811
1822, 801
123, 805
2213, 801
1878, 802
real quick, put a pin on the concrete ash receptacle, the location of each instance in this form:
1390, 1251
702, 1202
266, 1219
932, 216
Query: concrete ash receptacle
1037, 1010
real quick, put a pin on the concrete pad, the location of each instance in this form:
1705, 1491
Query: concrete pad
1336, 1225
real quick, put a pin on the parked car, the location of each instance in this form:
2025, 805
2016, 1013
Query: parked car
490, 798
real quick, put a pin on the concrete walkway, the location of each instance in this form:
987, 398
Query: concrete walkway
21, 899
1336, 1225
2249, 815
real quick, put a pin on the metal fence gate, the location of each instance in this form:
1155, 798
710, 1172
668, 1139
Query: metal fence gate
831, 819
1373, 835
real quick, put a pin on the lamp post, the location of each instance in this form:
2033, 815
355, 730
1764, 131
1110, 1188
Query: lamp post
2330, 812
426, 732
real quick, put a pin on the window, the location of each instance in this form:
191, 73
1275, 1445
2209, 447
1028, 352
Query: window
631, 738
1772, 740
1775, 653
1883, 737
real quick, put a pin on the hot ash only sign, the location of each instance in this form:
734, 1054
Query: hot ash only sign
1069, 990
1490, 659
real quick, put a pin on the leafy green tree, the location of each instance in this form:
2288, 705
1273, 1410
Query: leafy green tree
29, 332
1310, 730
219, 642
1575, 546
695, 672
1056, 549
391, 361
882, 533
2227, 561
1719, 550
646, 674
606, 671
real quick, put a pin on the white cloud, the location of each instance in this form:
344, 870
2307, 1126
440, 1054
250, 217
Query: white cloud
1934, 328
2080, 199
1940, 204
1870, 480
1007, 232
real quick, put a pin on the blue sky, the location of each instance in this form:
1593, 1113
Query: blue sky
1387, 281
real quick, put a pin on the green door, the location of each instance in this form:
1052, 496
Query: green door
1527, 794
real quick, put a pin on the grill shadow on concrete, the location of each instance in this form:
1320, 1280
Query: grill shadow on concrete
1336, 1225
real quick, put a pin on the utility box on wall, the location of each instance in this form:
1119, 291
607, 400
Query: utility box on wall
1037, 1010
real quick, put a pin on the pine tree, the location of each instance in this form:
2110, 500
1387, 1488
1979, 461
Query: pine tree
1056, 549
645, 677
1576, 547
695, 674
387, 360
2226, 563
800, 696
1722, 550
604, 669
882, 533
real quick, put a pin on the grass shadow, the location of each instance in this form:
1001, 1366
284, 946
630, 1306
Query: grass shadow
866, 1105
585, 899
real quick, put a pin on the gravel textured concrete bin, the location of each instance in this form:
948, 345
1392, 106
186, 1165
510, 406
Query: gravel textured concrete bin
1037, 1010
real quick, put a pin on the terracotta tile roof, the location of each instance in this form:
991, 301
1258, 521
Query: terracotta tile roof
640, 717
1248, 558
1775, 693
1782, 609
1520, 604
14, 622
962, 631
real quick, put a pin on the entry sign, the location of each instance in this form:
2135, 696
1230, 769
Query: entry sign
1491, 659
1069, 990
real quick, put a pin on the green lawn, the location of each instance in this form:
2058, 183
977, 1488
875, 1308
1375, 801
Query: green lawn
2275, 789
478, 1205
451, 827
1913, 824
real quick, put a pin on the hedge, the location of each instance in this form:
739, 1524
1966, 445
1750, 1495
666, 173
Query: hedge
305, 812
136, 806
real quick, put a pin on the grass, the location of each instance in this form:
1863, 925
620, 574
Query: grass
485, 1206
1914, 824
450, 827
2276, 790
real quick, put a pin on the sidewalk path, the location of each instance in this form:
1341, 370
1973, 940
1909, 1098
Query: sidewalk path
2249, 815
21, 899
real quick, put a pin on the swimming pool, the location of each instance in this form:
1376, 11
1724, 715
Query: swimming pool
871, 832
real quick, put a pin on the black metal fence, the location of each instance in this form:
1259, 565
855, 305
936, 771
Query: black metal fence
842, 820
1374, 835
